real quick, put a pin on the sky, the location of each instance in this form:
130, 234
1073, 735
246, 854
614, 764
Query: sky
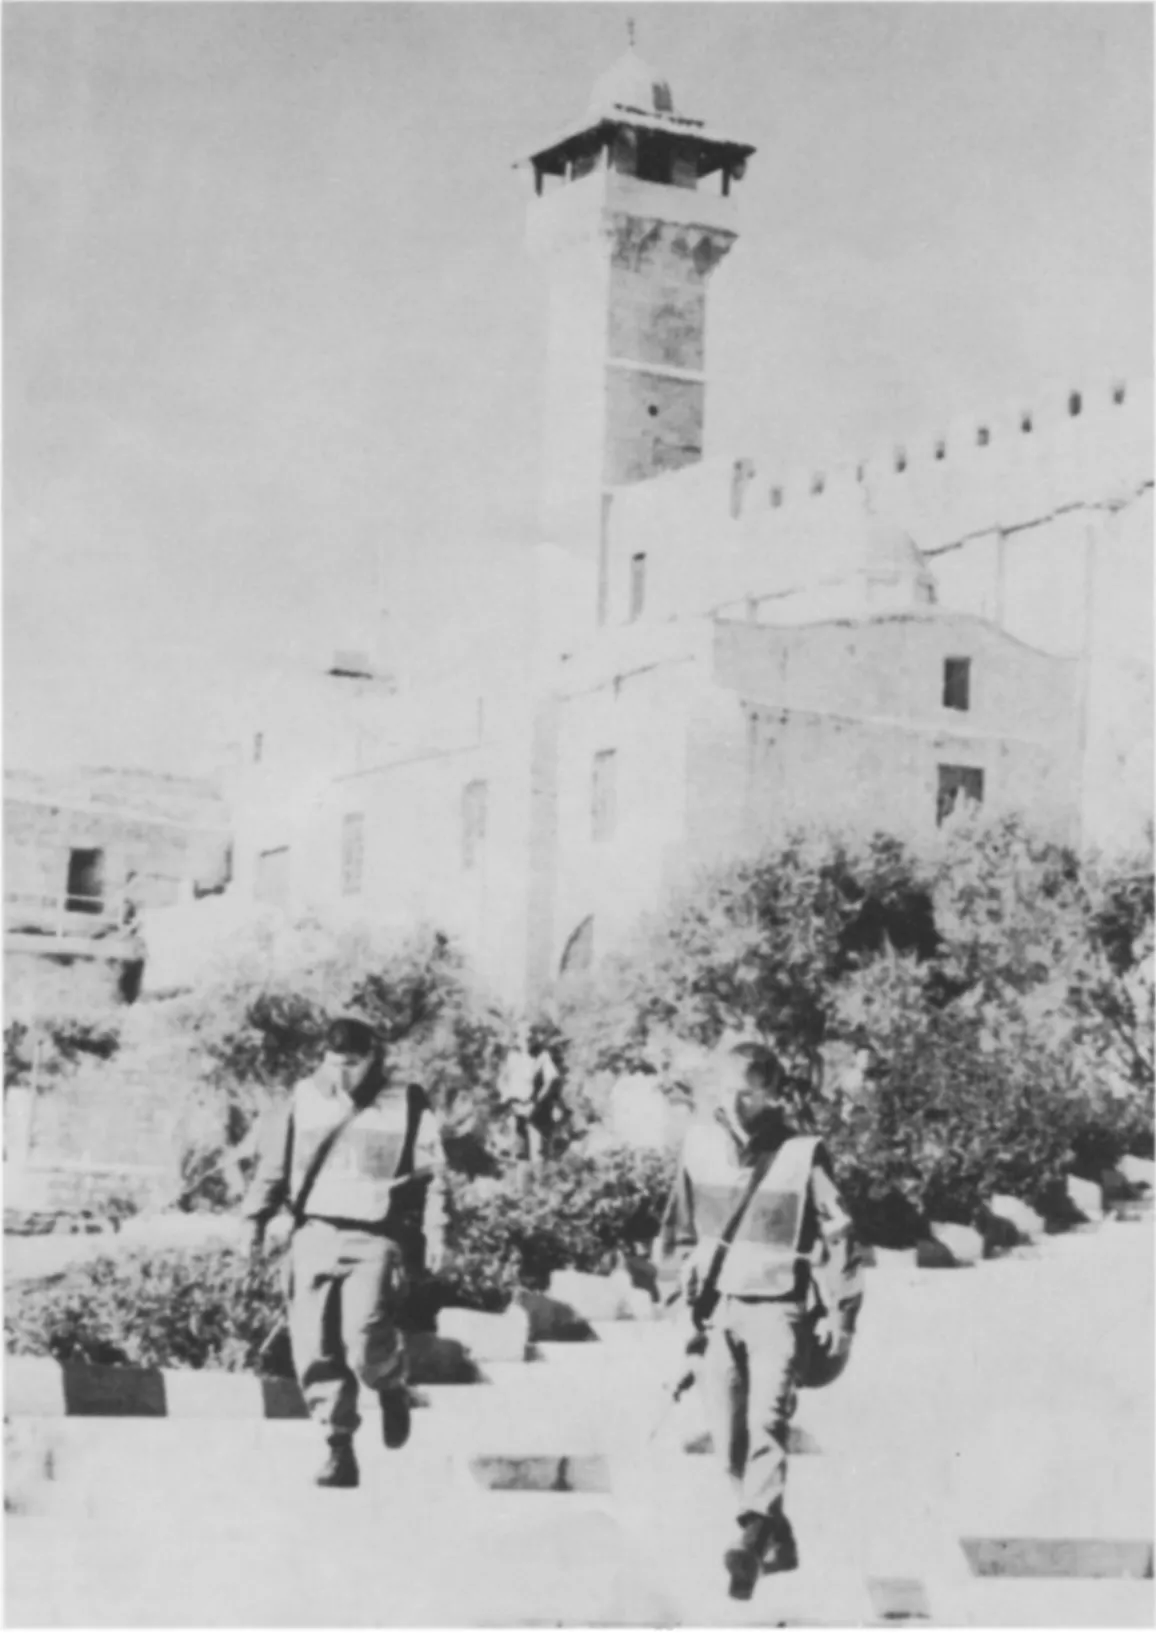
273, 348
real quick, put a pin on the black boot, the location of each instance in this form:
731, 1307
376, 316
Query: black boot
744, 1560
780, 1551
395, 1415
340, 1468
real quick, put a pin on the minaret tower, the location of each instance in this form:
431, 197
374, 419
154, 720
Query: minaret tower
630, 236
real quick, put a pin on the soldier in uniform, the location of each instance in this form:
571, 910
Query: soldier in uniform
753, 1213
357, 1159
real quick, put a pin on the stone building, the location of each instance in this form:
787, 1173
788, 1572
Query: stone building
83, 856
720, 649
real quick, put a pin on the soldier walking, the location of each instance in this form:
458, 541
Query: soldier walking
753, 1218
358, 1161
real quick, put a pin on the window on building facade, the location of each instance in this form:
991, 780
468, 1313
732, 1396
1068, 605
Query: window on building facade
258, 747
85, 889
957, 683
637, 585
578, 954
603, 804
955, 781
473, 822
352, 852
271, 877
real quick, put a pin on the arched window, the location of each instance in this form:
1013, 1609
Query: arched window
578, 954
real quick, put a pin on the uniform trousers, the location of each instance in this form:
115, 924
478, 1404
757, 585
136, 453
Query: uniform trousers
749, 1378
346, 1285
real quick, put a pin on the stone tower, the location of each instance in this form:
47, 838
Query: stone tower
630, 237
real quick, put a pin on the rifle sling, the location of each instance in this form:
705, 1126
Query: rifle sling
706, 1297
321, 1152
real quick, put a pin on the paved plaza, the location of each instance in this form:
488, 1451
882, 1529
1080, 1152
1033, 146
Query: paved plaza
1009, 1404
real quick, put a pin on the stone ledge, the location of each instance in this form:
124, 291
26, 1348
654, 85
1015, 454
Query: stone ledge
37, 1387
1058, 1557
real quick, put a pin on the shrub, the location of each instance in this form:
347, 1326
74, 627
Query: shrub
760, 944
64, 1040
579, 1213
151, 1308
214, 1308
962, 1101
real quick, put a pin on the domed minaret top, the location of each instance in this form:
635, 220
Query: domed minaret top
630, 86
632, 101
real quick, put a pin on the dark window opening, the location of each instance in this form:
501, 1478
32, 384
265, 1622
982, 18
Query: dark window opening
1075, 404
474, 800
1119, 393
85, 882
603, 801
900, 460
1026, 423
652, 410
955, 781
776, 498
983, 436
258, 747
957, 683
818, 483
940, 450
654, 158
352, 852
637, 585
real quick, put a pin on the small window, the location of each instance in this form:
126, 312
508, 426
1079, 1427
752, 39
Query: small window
1119, 392
271, 880
603, 804
85, 882
941, 450
818, 483
637, 585
474, 799
1075, 404
352, 852
776, 498
957, 683
983, 436
900, 460
1026, 424
258, 747
955, 781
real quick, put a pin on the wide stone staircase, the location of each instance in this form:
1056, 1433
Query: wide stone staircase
995, 1423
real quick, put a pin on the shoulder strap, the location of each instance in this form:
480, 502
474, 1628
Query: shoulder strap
317, 1162
414, 1109
705, 1298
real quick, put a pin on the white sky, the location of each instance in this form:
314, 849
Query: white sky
267, 306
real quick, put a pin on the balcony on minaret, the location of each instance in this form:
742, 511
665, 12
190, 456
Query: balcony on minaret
632, 152
629, 239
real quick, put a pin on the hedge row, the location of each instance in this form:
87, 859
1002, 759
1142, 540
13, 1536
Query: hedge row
213, 1307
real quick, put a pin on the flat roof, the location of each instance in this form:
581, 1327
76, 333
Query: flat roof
589, 133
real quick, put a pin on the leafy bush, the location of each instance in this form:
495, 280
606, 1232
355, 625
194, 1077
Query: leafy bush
760, 944
214, 1308
580, 1213
162, 1308
959, 1103
64, 1040
257, 1024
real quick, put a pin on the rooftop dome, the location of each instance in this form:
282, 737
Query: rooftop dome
888, 549
629, 83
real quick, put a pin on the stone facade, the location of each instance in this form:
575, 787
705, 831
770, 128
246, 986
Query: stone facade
722, 649
82, 856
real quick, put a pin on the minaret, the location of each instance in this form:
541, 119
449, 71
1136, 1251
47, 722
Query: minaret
630, 236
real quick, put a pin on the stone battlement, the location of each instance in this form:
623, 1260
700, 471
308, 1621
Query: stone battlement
1027, 458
